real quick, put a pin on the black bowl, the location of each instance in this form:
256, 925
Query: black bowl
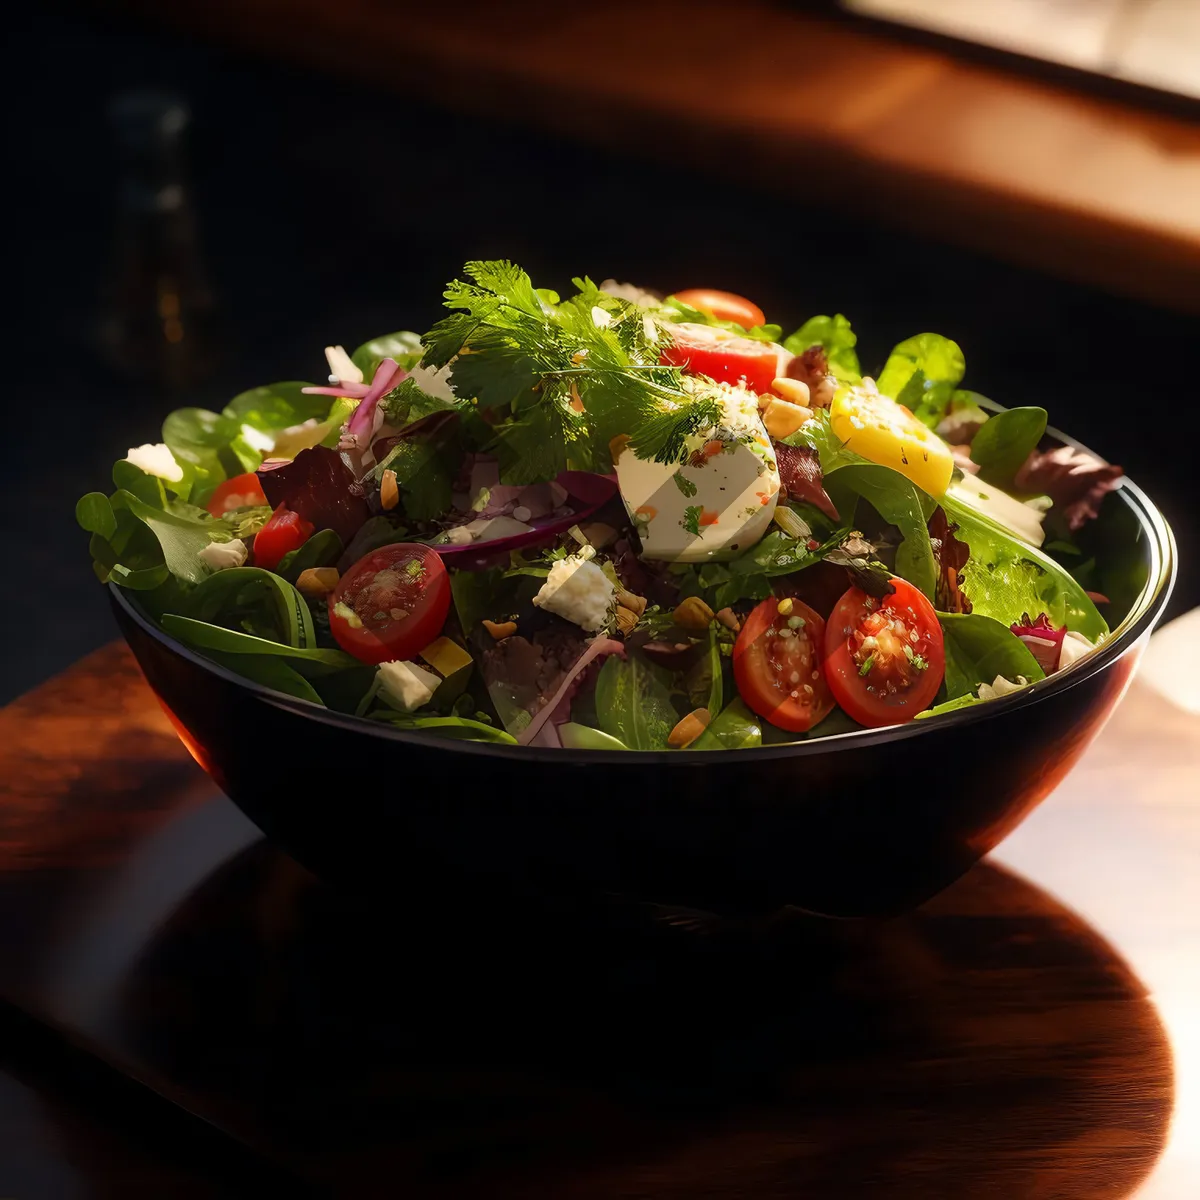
865, 823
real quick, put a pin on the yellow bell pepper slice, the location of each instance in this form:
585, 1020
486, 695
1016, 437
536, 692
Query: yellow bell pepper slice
875, 426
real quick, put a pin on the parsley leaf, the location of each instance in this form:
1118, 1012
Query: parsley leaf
684, 484
691, 519
571, 374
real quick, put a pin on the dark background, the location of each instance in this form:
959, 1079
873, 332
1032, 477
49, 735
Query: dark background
331, 212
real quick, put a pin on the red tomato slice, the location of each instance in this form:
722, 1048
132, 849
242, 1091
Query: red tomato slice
884, 658
777, 663
723, 356
391, 604
242, 491
724, 306
284, 532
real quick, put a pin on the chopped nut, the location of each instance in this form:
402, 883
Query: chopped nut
389, 492
628, 600
689, 729
728, 618
599, 534
317, 581
782, 418
794, 390
693, 615
501, 630
627, 619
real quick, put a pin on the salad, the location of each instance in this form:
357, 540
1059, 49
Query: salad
615, 520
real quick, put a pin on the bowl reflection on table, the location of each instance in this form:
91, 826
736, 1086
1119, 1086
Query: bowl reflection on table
865, 823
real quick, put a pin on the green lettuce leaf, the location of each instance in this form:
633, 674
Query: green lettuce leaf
838, 339
922, 373
1005, 578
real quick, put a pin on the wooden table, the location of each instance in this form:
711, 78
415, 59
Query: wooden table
1094, 189
1032, 1033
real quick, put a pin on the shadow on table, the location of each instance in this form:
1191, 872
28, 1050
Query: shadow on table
990, 1044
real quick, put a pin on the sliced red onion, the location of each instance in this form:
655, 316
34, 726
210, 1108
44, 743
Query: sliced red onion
361, 425
585, 492
1042, 639
598, 646
353, 391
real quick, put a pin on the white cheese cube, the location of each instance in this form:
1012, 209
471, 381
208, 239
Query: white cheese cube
406, 685
220, 556
577, 590
717, 503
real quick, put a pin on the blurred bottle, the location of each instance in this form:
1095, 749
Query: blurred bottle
158, 324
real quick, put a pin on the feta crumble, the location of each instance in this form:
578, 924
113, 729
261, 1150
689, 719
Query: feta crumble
578, 590
220, 556
155, 459
406, 685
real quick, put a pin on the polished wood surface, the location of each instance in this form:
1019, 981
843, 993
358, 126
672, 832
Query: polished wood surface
1094, 189
1000, 1041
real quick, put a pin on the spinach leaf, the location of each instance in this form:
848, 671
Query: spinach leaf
270, 672
1005, 441
703, 683
307, 660
251, 600
404, 347
978, 649
900, 503
95, 515
741, 587
922, 373
838, 339
735, 728
181, 538
323, 549
461, 728
1004, 578
274, 406
583, 737
425, 470
346, 691
147, 488
632, 705
373, 533
200, 440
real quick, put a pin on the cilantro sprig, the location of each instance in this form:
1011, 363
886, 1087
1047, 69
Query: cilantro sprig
562, 378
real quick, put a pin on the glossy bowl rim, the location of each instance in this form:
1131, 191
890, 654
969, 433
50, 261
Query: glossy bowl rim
1141, 618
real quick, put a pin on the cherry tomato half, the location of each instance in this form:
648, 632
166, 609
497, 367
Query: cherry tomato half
242, 491
284, 532
725, 306
777, 663
723, 356
884, 658
391, 604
